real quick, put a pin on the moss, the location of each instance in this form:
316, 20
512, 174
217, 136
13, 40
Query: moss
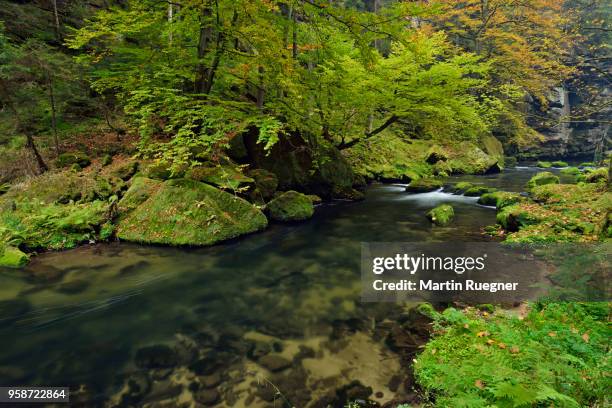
107, 159
188, 212
461, 187
223, 176
315, 198
500, 199
513, 217
441, 215
126, 171
158, 171
266, 183
424, 185
542, 178
586, 164
140, 190
544, 164
70, 158
11, 257
435, 155
477, 191
571, 171
559, 163
290, 206
597, 176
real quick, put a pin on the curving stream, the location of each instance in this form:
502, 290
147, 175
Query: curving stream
232, 324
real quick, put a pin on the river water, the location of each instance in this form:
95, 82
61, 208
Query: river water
87, 318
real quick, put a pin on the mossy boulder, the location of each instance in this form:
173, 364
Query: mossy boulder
71, 158
477, 191
315, 198
106, 160
559, 163
187, 212
435, 155
126, 171
570, 171
541, 179
424, 185
224, 176
11, 257
586, 164
597, 176
500, 199
266, 183
544, 164
514, 217
441, 215
290, 206
140, 190
461, 187
158, 171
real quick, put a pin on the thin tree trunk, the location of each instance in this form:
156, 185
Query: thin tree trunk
294, 48
57, 22
170, 17
203, 48
53, 113
260, 89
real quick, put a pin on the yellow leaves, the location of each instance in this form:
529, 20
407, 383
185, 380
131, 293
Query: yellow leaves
514, 350
552, 334
501, 346
483, 334
585, 337
479, 384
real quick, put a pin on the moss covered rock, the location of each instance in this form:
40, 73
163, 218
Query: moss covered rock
126, 171
266, 183
544, 164
571, 171
140, 190
290, 206
424, 185
186, 212
441, 215
477, 191
597, 176
71, 158
559, 163
461, 187
158, 171
435, 155
500, 199
223, 176
541, 179
514, 217
11, 257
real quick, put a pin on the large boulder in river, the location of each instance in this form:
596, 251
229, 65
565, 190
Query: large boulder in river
424, 185
184, 212
290, 206
323, 171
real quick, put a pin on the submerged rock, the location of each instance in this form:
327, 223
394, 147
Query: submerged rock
157, 356
185, 212
541, 179
274, 362
424, 185
11, 257
441, 215
290, 206
207, 397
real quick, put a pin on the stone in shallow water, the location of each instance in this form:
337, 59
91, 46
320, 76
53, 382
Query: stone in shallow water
72, 287
207, 397
210, 381
157, 356
274, 362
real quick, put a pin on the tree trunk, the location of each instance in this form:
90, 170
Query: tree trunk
170, 17
294, 48
57, 22
53, 113
200, 85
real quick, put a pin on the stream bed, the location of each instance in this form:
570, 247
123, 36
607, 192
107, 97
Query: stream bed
271, 319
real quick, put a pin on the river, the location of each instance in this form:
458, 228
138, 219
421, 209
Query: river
87, 318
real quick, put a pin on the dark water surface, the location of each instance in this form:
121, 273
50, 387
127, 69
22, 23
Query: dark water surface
78, 318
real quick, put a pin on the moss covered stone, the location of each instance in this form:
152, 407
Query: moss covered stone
544, 164
126, 171
541, 179
586, 164
559, 163
140, 190
11, 257
570, 171
223, 176
266, 183
500, 199
441, 215
477, 191
71, 158
424, 185
290, 206
435, 155
597, 176
187, 212
158, 171
513, 217
461, 187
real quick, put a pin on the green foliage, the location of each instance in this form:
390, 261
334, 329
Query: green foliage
557, 354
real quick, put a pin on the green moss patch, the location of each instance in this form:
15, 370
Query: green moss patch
500, 199
544, 164
68, 159
187, 212
541, 179
559, 163
223, 176
11, 257
571, 171
290, 206
441, 215
424, 185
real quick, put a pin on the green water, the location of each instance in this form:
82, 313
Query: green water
77, 318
